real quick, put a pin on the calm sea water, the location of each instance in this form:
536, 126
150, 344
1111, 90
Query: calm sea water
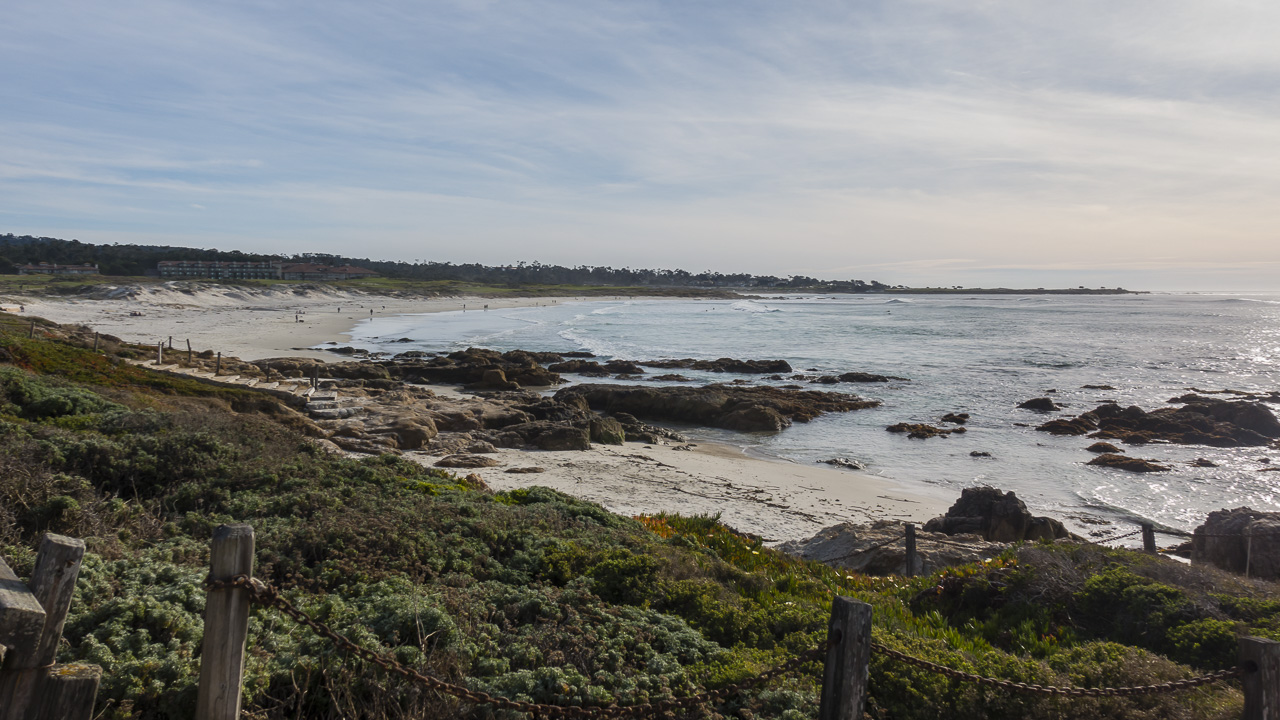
980, 354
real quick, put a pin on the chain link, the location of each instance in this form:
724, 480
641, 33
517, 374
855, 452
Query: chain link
265, 594
1114, 537
1035, 689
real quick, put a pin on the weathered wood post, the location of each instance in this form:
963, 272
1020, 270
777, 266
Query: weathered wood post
188, 351
32, 334
1260, 658
911, 551
1148, 538
159, 353
226, 626
217, 369
32, 687
95, 342
170, 342
844, 682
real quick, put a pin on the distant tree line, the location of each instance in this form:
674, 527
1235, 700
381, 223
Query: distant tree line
133, 260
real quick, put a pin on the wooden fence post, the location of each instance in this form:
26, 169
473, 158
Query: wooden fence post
31, 686
1262, 684
159, 353
95, 342
32, 334
844, 681
217, 369
226, 626
912, 560
1148, 538
188, 351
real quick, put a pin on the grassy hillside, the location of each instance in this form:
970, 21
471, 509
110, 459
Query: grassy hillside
530, 593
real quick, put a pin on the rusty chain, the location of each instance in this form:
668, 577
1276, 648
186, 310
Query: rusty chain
1113, 537
266, 594
1032, 688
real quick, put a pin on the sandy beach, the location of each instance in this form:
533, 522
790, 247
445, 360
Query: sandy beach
775, 499
248, 323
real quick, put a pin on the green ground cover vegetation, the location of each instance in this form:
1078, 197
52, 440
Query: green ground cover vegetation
530, 593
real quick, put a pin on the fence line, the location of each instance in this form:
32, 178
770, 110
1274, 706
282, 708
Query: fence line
848, 652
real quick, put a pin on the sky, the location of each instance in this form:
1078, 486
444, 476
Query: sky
980, 143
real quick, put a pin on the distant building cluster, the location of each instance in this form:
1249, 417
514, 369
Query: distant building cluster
51, 269
254, 270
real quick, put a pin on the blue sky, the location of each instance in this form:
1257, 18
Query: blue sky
1013, 143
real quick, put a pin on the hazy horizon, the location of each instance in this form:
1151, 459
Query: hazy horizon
918, 143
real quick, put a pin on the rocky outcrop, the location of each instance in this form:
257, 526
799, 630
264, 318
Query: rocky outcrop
878, 548
855, 377
469, 366
1242, 541
956, 418
607, 431
638, 431
1201, 421
996, 516
846, 463
1040, 404
579, 367
921, 431
1082, 425
724, 406
1124, 462
1103, 447
723, 365
466, 461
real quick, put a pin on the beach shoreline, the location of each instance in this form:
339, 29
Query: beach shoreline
248, 323
771, 497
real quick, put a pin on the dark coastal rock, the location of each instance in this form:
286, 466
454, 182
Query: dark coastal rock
861, 377
956, 418
624, 367
1217, 423
996, 516
920, 431
1103, 447
1224, 541
878, 549
979, 453
413, 433
672, 377
642, 432
469, 366
1124, 462
466, 461
754, 418
1097, 387
725, 406
1040, 404
494, 379
543, 435
1203, 463
578, 367
1082, 425
723, 365
607, 431
843, 462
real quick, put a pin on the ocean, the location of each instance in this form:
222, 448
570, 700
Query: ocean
979, 354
